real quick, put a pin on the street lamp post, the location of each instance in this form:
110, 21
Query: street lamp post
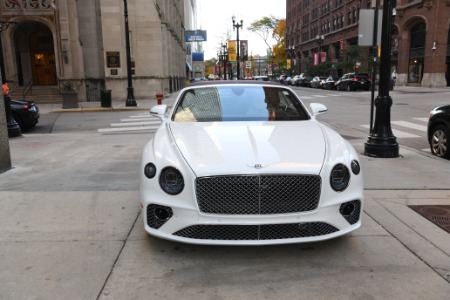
291, 53
273, 57
320, 39
225, 61
237, 25
130, 92
219, 54
381, 142
13, 128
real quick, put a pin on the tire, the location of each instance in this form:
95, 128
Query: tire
337, 88
19, 121
439, 141
349, 88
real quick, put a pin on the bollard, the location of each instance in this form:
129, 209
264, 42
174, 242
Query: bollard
159, 97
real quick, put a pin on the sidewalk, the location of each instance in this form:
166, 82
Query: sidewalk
71, 228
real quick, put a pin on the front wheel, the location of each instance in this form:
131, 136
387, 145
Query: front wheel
439, 141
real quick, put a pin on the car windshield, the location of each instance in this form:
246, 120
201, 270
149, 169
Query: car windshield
239, 103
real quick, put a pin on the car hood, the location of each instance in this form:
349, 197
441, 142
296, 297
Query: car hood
251, 147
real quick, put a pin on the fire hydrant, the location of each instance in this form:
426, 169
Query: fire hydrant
159, 97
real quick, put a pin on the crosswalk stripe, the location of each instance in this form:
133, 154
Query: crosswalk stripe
422, 119
127, 129
319, 96
334, 95
126, 124
410, 125
142, 116
140, 120
398, 133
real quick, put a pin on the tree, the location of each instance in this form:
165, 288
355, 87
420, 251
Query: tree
279, 50
354, 53
264, 28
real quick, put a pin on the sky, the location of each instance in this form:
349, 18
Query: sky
214, 16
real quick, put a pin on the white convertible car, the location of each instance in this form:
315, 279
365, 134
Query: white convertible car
245, 163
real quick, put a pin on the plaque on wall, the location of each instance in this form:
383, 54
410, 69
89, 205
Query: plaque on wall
113, 59
113, 71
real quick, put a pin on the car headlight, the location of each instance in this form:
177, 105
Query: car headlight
171, 181
339, 178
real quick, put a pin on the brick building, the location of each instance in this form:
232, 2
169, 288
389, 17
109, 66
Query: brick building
420, 36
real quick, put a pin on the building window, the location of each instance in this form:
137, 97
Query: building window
416, 53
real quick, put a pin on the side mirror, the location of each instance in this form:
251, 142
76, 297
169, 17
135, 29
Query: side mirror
318, 109
159, 111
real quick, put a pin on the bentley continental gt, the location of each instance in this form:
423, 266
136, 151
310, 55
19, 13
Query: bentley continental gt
246, 163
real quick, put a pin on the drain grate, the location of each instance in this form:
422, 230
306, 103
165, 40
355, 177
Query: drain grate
438, 214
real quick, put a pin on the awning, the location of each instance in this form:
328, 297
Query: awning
188, 67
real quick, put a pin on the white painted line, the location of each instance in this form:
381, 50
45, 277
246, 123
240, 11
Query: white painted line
334, 95
422, 119
398, 133
410, 125
303, 97
141, 120
156, 123
148, 115
141, 128
319, 96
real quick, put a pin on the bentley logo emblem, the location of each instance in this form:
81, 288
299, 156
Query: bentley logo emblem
257, 166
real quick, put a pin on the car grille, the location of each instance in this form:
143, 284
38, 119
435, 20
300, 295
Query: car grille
256, 232
258, 194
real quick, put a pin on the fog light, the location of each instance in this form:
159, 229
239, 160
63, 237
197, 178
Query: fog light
351, 211
150, 170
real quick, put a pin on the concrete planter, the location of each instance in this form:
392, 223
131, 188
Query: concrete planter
70, 99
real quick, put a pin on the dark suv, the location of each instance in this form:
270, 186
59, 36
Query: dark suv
353, 82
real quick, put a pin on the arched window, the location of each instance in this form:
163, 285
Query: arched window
416, 52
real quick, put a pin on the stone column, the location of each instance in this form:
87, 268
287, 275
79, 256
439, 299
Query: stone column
5, 155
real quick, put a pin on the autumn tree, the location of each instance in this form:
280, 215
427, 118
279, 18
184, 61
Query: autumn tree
264, 28
279, 50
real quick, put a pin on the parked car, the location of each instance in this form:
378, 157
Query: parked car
439, 131
305, 79
260, 78
288, 80
281, 78
294, 80
232, 174
26, 113
353, 82
330, 83
317, 82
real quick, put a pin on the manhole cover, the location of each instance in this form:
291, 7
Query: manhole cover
438, 214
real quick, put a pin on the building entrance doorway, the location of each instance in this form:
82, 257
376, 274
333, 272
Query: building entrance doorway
35, 54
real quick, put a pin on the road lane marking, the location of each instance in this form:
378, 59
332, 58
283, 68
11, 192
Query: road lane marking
126, 124
398, 133
410, 125
127, 129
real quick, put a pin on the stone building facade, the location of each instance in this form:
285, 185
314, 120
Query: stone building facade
56, 43
420, 36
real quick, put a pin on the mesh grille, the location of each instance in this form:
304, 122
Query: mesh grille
258, 195
256, 232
